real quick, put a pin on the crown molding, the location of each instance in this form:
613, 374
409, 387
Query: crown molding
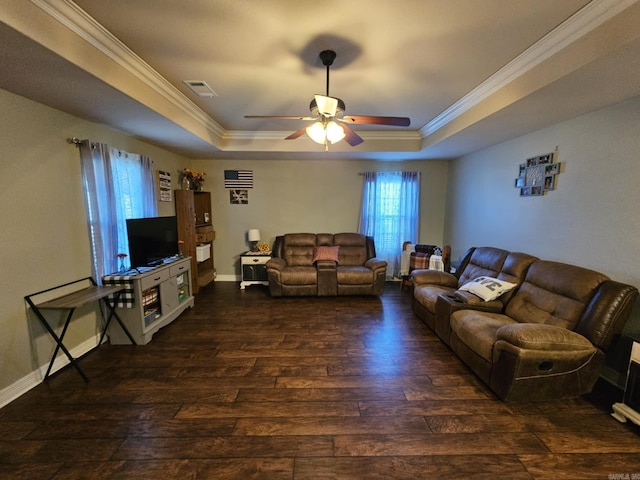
582, 22
82, 24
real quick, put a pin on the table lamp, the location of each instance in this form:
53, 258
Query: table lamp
254, 238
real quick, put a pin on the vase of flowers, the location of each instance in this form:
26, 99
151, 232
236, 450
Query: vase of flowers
191, 179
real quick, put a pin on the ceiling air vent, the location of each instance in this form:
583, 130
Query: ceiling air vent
200, 88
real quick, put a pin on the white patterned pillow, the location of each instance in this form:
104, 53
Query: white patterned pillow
487, 288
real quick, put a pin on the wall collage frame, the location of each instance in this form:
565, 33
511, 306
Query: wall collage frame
537, 175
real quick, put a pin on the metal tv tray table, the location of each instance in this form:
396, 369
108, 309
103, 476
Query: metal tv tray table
70, 302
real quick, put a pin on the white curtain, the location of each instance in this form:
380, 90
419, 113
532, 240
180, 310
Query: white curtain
390, 213
118, 185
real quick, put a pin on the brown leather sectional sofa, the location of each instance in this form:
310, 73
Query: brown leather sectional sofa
545, 338
325, 264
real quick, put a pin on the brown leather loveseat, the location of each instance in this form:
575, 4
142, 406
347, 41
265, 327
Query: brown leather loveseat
325, 264
543, 338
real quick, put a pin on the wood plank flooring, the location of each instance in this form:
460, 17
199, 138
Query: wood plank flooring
244, 386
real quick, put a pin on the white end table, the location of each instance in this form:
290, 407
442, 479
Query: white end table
254, 269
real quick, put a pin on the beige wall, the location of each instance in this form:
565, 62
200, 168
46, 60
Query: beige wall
44, 234
592, 217
307, 196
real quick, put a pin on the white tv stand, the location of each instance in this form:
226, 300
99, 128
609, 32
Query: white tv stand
152, 300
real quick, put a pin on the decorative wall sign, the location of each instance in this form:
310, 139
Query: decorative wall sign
164, 185
537, 175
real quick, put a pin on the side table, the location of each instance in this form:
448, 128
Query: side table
254, 269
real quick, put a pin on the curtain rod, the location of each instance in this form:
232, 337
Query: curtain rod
403, 171
75, 141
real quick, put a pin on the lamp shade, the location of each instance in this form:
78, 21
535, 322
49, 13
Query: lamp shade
320, 133
254, 235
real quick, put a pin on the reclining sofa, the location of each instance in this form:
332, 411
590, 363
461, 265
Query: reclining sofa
530, 329
325, 264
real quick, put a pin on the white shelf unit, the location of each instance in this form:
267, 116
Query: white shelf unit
159, 297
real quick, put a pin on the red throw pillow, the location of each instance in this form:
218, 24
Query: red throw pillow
326, 253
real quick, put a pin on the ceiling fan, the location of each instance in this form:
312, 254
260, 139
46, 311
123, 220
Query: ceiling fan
330, 121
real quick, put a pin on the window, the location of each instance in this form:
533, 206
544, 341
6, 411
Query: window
118, 185
390, 213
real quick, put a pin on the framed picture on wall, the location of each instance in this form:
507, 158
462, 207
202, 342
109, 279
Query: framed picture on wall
545, 159
552, 169
548, 182
238, 197
519, 182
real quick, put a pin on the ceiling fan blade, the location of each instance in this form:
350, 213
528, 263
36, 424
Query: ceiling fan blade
297, 134
351, 137
327, 106
281, 117
373, 120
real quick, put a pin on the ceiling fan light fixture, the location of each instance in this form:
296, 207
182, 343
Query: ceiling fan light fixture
320, 133
335, 132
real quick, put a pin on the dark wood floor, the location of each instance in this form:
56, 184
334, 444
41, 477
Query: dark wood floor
245, 386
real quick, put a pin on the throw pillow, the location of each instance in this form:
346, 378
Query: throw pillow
487, 288
326, 253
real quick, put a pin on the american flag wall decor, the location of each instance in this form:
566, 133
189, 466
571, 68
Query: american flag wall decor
238, 179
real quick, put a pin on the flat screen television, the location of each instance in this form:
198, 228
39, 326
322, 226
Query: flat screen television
151, 240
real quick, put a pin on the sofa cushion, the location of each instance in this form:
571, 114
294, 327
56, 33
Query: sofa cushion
478, 330
428, 295
554, 294
353, 248
354, 275
326, 253
487, 288
299, 275
484, 261
298, 249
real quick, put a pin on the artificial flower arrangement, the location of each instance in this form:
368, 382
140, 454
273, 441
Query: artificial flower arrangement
195, 178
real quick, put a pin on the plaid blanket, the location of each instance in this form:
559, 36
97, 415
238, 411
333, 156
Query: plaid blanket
127, 296
421, 258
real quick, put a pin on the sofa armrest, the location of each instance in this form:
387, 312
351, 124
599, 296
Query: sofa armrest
534, 336
434, 277
375, 263
276, 264
539, 362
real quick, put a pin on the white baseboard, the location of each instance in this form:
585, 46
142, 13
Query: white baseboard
35, 378
228, 278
